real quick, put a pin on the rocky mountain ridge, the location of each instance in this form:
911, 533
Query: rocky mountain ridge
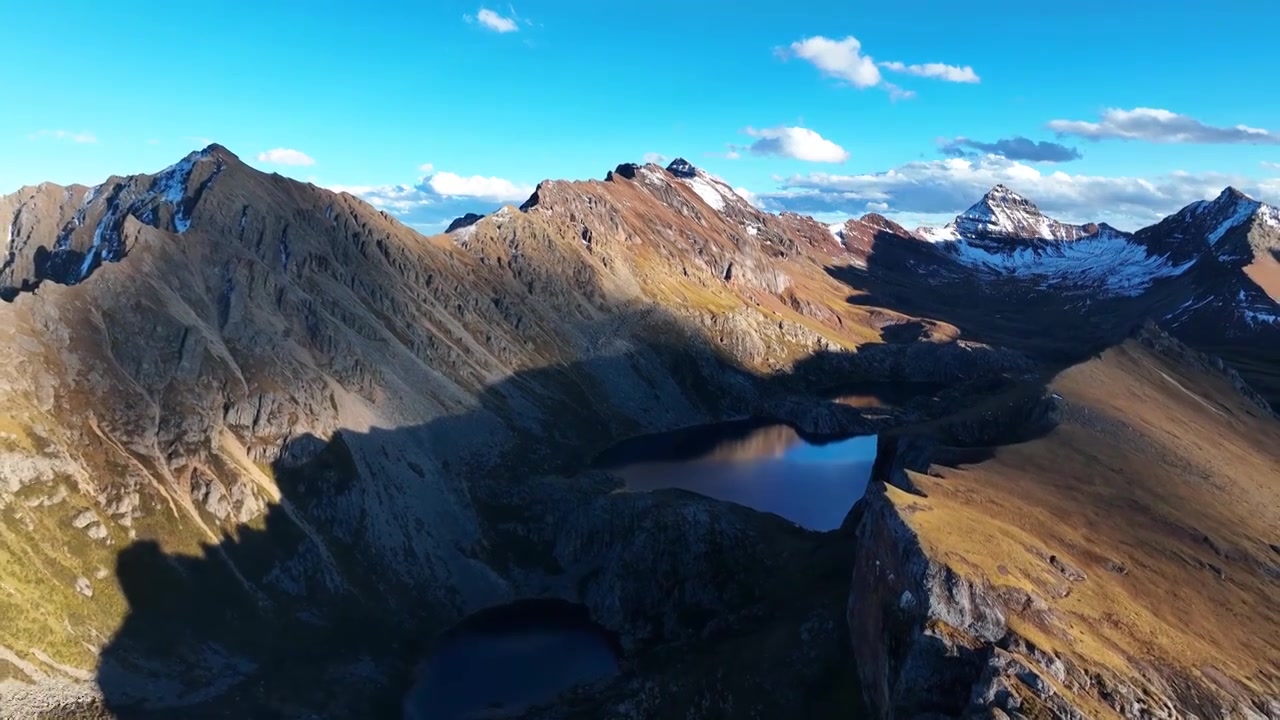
235, 403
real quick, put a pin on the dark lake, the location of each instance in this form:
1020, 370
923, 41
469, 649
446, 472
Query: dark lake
764, 466
501, 661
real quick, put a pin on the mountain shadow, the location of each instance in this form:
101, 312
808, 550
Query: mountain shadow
918, 279
312, 612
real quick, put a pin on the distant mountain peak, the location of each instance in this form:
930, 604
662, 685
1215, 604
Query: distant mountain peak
1003, 214
217, 150
1000, 191
682, 168
1003, 196
1231, 194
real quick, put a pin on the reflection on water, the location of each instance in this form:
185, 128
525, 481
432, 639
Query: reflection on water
504, 660
882, 394
765, 467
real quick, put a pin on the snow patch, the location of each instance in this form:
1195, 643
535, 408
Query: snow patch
938, 235
1257, 313
1254, 317
652, 177
1187, 308
837, 231
170, 186
1244, 209
1106, 261
1270, 216
713, 191
708, 192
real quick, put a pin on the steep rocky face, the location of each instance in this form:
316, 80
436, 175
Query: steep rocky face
62, 235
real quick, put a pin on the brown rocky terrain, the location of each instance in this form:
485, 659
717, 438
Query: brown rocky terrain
259, 442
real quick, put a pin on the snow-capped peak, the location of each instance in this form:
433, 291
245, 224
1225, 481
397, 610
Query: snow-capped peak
714, 191
1214, 219
1004, 214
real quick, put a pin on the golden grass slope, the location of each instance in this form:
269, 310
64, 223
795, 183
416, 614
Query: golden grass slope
1161, 486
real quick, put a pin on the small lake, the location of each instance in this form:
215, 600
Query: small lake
501, 661
764, 466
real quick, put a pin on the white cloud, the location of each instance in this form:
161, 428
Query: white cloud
1161, 126
494, 21
439, 197
494, 189
897, 93
652, 158
947, 187
940, 71
285, 156
732, 154
876, 207
1270, 165
844, 60
75, 137
797, 143
841, 59
747, 195
426, 168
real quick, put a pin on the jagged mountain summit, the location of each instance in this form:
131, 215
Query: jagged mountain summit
1005, 235
1232, 247
254, 433
1220, 224
1004, 214
94, 225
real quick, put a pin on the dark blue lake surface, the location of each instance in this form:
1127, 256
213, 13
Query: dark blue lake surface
766, 467
504, 660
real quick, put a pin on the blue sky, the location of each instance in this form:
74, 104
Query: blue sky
435, 107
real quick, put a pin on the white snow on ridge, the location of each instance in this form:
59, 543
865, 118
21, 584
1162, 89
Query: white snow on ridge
705, 190
1269, 215
170, 185
652, 177
1106, 262
1243, 211
1257, 312
837, 231
938, 235
714, 191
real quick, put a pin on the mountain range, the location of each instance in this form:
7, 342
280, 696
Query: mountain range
259, 442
